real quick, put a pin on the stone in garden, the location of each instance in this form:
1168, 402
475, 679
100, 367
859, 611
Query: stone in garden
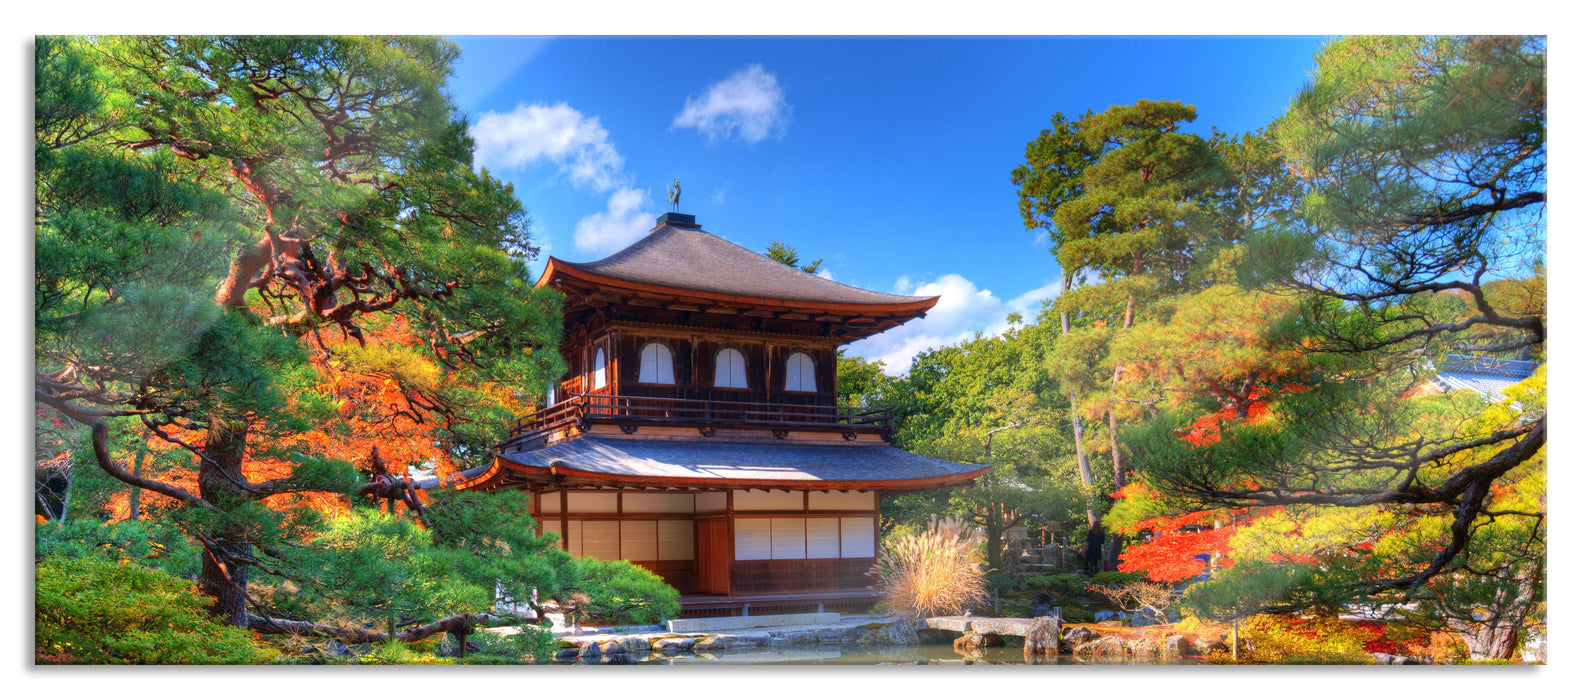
1080, 635
1383, 659
1175, 645
1142, 619
672, 645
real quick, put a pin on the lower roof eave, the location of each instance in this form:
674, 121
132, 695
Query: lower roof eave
563, 475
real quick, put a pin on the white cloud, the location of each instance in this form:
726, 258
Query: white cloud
748, 105
963, 310
553, 133
624, 220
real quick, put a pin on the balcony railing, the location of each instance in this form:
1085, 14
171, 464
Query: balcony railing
583, 409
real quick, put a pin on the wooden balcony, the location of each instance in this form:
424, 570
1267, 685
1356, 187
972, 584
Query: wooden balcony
583, 410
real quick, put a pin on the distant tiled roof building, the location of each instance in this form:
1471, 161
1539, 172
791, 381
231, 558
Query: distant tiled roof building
1488, 376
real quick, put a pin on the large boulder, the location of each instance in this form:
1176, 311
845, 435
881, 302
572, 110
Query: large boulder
970, 640
1175, 645
1103, 646
1146, 646
1383, 659
668, 646
1204, 646
1079, 635
1143, 618
896, 633
1043, 637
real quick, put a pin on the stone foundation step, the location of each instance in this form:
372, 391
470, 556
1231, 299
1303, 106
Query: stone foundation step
711, 624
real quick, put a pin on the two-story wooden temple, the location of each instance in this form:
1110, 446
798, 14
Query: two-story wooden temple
697, 432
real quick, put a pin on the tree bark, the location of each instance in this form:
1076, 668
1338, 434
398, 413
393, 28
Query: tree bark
1496, 636
1114, 559
226, 550
1083, 470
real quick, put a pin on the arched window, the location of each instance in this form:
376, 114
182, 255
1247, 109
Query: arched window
598, 368
730, 369
799, 373
657, 367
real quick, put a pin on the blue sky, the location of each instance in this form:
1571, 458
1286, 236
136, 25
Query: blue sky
889, 158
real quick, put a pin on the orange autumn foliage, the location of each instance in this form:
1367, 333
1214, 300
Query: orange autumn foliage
1180, 543
373, 407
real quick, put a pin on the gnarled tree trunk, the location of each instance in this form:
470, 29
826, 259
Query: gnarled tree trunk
226, 549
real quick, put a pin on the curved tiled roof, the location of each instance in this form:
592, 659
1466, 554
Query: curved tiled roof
635, 460
694, 259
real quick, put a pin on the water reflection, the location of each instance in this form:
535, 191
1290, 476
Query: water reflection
928, 655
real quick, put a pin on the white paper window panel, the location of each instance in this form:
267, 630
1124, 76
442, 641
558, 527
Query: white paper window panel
574, 538
823, 538
840, 500
551, 526
856, 537
799, 373
788, 538
657, 367
656, 503
601, 539
730, 369
711, 502
767, 500
549, 502
590, 503
598, 369
639, 540
752, 538
675, 540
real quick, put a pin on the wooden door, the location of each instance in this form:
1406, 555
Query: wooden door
714, 557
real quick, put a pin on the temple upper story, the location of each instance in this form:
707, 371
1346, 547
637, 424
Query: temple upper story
686, 330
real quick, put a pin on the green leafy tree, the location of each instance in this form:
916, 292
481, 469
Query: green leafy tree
1051, 175
1426, 159
373, 577
859, 382
949, 403
212, 213
1460, 104
1134, 220
781, 252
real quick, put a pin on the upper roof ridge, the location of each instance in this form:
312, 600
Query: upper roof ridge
685, 257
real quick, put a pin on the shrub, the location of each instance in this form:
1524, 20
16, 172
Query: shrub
936, 570
1138, 596
532, 645
159, 544
622, 592
1293, 639
1058, 585
1116, 578
93, 611
395, 653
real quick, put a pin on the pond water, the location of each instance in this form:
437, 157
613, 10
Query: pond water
927, 654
